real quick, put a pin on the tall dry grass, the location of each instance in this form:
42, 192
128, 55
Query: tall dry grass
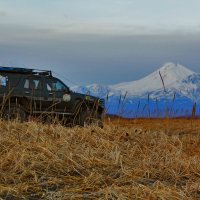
125, 160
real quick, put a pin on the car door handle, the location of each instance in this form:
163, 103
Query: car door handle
50, 93
26, 92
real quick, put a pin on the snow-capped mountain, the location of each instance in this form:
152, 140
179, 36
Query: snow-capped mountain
172, 76
181, 85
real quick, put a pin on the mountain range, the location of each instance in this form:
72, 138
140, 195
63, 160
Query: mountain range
172, 90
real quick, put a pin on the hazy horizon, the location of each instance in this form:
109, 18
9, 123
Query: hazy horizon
103, 42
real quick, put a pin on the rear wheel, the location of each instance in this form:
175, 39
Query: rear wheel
14, 112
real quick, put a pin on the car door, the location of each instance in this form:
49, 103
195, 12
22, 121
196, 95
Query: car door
33, 90
58, 95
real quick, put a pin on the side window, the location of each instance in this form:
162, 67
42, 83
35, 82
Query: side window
27, 84
34, 84
3, 80
56, 85
49, 87
37, 85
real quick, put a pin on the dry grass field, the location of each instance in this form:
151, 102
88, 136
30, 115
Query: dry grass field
127, 159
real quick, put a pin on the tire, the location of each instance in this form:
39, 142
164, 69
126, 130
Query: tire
87, 118
14, 113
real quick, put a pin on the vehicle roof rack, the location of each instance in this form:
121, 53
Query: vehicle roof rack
18, 70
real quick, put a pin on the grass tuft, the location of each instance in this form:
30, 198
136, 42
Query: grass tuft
133, 159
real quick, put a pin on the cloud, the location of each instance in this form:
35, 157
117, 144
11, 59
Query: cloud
3, 13
14, 34
99, 57
33, 35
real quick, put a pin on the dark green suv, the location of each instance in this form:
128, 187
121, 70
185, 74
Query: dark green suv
27, 93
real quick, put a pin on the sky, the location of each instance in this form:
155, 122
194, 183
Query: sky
105, 42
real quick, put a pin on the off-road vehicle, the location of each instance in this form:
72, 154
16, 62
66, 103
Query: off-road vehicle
27, 93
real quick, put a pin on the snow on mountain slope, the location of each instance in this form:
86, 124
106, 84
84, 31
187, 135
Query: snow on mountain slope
178, 80
172, 75
176, 77
93, 89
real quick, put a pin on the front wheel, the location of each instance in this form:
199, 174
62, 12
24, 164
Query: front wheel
88, 118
